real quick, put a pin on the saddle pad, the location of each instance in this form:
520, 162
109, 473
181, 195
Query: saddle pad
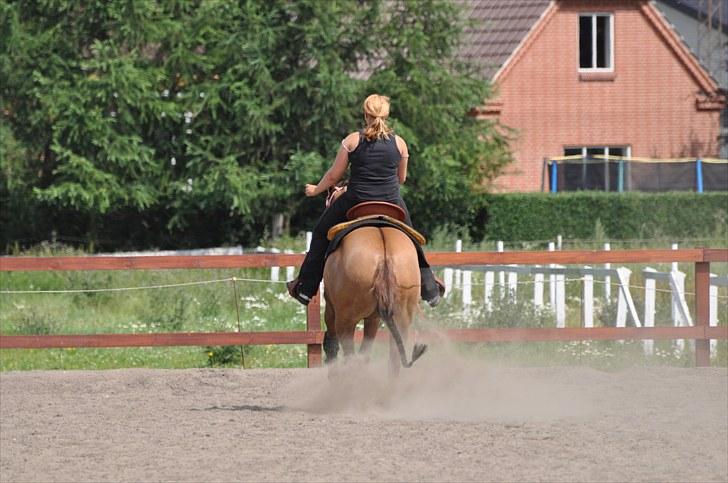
362, 221
375, 220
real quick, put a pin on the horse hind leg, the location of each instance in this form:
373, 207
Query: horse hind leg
345, 334
371, 326
331, 342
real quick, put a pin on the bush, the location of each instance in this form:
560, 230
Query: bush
618, 216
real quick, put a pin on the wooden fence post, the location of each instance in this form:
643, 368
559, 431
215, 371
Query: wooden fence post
702, 310
313, 323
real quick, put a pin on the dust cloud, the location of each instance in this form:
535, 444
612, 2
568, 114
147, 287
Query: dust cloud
442, 385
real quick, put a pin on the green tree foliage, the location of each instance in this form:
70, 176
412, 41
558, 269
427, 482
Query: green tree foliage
177, 123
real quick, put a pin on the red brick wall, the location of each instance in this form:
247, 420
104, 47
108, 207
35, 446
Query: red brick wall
650, 104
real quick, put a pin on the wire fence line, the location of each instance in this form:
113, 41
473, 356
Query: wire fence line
144, 287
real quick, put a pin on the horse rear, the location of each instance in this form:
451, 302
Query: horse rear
373, 275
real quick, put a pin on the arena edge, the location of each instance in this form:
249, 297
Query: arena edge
622, 216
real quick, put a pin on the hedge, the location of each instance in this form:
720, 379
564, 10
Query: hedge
622, 216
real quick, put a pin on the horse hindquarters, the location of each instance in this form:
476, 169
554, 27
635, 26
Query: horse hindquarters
402, 274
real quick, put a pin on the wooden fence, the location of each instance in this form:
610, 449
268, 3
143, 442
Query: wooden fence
313, 335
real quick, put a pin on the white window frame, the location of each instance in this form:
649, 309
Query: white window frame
594, 16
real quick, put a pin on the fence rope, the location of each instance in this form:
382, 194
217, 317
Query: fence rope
146, 287
613, 284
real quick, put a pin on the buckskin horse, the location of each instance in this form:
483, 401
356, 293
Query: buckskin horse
372, 275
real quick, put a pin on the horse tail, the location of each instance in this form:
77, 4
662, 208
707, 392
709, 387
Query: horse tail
385, 285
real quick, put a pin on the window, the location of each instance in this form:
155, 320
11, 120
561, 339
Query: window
596, 41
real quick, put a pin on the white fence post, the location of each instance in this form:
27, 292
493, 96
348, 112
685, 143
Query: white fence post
713, 317
552, 283
488, 294
607, 279
513, 286
650, 294
625, 302
458, 272
501, 274
467, 289
309, 235
674, 306
275, 271
680, 312
538, 290
587, 305
561, 301
290, 270
448, 276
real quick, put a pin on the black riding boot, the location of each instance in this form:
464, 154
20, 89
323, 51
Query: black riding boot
431, 288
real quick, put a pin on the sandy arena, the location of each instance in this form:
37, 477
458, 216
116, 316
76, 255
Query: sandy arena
448, 419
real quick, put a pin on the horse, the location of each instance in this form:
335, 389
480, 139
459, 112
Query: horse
373, 275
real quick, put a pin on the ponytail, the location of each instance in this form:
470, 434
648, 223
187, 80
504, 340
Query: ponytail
376, 110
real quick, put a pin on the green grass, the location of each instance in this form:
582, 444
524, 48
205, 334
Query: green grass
265, 306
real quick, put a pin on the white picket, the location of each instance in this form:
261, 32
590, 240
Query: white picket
713, 317
560, 308
552, 283
538, 290
467, 289
458, 272
587, 306
488, 293
290, 270
448, 276
607, 279
650, 295
501, 274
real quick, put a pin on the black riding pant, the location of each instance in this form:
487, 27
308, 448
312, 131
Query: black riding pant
312, 270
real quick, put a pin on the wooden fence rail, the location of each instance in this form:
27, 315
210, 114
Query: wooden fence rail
313, 336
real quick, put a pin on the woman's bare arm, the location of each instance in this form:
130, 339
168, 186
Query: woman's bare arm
337, 170
404, 153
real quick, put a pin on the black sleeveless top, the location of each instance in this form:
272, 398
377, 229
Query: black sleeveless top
374, 168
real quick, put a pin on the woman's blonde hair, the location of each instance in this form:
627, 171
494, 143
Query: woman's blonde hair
376, 110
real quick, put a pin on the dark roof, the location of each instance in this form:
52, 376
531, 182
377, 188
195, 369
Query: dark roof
497, 28
699, 10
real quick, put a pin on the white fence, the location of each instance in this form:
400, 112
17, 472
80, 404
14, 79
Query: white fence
556, 277
461, 279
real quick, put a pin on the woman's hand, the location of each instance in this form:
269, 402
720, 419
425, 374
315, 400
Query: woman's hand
311, 190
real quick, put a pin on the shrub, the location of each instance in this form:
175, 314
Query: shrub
617, 216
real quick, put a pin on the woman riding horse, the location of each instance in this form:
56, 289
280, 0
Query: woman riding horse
378, 160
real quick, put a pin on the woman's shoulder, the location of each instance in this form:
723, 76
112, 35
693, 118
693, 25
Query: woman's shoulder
351, 141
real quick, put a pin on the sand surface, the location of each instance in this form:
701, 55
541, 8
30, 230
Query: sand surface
446, 419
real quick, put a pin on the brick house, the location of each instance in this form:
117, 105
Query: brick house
591, 77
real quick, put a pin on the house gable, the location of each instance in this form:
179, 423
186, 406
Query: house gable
658, 22
646, 104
